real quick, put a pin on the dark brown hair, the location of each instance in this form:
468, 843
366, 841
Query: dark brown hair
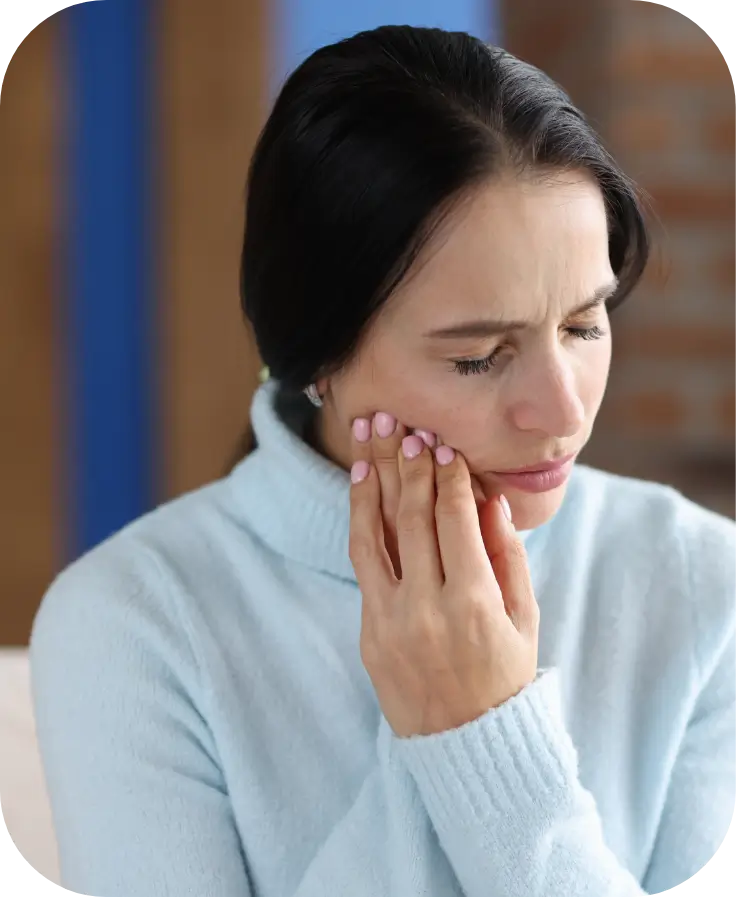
369, 143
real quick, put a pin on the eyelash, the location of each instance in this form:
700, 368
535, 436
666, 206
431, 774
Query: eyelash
483, 365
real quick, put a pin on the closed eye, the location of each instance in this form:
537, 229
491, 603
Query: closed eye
483, 365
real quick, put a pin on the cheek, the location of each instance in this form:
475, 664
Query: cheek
593, 375
457, 418
466, 422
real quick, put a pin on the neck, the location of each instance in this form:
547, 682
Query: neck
330, 436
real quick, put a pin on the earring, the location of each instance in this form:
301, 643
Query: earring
311, 393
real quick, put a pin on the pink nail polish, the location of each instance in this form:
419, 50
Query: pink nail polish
359, 471
444, 455
411, 446
385, 424
362, 429
429, 438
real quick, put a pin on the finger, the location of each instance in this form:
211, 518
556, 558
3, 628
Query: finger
367, 548
478, 493
510, 564
360, 443
386, 437
362, 450
417, 536
456, 513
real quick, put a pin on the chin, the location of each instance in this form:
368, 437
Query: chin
528, 510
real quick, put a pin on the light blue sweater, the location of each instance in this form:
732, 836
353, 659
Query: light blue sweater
207, 727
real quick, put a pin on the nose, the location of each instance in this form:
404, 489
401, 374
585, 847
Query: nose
548, 399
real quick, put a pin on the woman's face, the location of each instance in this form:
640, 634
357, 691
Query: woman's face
532, 253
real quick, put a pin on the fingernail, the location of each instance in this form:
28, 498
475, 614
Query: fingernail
411, 446
444, 455
359, 471
429, 438
505, 506
362, 429
385, 424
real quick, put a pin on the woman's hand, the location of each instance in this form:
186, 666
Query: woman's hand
378, 442
454, 631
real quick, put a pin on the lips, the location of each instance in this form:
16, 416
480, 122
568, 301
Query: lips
539, 468
536, 480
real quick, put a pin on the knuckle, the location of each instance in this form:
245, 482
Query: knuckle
360, 548
415, 473
424, 628
411, 518
476, 601
452, 504
478, 607
385, 461
517, 550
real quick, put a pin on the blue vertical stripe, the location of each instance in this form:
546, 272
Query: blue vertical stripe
108, 243
298, 27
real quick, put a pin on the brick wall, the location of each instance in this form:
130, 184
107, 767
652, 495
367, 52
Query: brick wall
660, 93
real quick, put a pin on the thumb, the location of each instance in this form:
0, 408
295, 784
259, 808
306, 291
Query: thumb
508, 558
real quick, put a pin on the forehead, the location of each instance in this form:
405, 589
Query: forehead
513, 247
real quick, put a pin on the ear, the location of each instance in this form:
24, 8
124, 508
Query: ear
322, 384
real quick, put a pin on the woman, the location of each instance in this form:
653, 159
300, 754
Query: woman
341, 669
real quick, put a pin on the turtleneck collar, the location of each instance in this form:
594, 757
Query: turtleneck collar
293, 498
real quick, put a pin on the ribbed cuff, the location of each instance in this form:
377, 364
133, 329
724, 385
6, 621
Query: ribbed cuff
502, 777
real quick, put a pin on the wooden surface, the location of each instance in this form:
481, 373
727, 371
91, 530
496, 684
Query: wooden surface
213, 101
30, 515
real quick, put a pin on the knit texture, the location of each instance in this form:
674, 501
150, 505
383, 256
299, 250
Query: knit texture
207, 726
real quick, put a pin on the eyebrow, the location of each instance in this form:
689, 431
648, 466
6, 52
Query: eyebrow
485, 327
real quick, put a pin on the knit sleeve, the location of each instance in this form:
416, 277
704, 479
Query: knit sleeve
139, 805
503, 792
504, 797
139, 802
701, 796
702, 790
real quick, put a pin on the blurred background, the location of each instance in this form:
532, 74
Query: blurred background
126, 128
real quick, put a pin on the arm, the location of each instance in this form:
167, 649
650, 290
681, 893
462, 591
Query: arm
384, 846
699, 804
138, 800
512, 817
503, 794
702, 787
